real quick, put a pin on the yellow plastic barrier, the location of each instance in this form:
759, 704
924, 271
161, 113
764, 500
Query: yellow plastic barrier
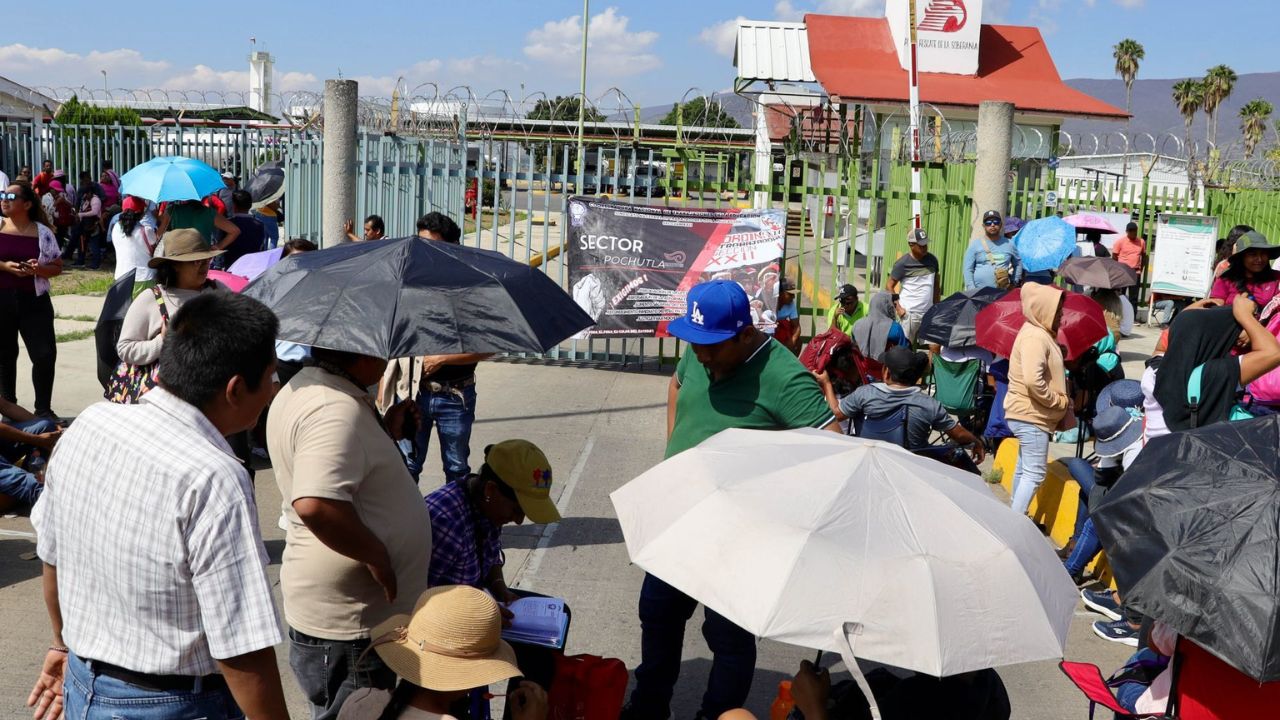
1055, 505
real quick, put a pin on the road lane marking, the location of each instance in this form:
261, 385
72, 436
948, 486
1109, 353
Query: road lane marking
529, 570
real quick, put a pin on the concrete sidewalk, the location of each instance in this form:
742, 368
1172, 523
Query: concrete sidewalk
599, 429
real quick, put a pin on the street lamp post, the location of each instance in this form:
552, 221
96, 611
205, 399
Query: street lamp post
582, 88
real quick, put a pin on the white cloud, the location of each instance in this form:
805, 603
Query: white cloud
995, 11
722, 37
614, 51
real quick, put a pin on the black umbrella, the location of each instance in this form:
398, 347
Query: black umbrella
951, 322
1098, 272
411, 296
107, 332
267, 183
1192, 532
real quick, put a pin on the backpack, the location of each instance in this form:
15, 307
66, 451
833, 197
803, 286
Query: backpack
819, 353
833, 352
64, 213
1237, 412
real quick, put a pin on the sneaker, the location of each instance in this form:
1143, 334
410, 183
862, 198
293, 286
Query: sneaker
49, 415
1119, 631
1102, 602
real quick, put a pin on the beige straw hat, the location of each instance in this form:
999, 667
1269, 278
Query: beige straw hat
182, 245
453, 641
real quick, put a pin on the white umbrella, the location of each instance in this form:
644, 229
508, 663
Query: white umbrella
852, 546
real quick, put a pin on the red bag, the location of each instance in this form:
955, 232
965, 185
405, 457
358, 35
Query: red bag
587, 687
818, 353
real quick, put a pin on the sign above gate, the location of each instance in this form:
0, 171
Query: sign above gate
948, 33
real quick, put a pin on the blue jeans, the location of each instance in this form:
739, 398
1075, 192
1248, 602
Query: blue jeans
664, 612
452, 416
1033, 458
271, 230
14, 481
1087, 543
330, 670
89, 695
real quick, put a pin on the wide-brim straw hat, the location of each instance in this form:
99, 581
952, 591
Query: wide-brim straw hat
452, 641
183, 245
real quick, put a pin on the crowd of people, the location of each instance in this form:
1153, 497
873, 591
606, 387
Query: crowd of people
153, 563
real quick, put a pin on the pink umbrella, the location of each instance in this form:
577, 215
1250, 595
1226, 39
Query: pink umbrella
235, 283
1089, 222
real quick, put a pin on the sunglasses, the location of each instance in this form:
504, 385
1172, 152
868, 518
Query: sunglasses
991, 222
9, 196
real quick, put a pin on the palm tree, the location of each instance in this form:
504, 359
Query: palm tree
1219, 81
1128, 53
1188, 95
1254, 117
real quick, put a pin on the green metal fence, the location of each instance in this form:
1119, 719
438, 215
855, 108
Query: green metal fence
848, 211
1257, 208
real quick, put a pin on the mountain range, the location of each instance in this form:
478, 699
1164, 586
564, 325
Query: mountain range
1153, 109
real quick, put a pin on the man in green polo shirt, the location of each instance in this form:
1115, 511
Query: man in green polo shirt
736, 377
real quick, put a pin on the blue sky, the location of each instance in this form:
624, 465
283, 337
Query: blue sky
655, 50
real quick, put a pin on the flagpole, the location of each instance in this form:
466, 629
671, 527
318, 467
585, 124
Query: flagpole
914, 99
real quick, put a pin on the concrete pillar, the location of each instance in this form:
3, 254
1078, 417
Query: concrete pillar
995, 146
339, 185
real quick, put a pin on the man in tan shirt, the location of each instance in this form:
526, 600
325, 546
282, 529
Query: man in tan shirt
359, 536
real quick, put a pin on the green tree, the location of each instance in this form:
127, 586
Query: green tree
74, 112
1128, 54
699, 113
1188, 95
1219, 81
1254, 117
563, 108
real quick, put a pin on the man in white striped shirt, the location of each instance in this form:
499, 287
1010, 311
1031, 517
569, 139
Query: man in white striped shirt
154, 570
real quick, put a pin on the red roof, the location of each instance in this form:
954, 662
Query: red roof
854, 58
816, 123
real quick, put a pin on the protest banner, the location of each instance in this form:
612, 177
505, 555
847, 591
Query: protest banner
630, 266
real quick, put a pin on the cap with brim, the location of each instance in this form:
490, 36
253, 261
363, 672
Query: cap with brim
1115, 429
917, 236
451, 642
524, 468
183, 245
717, 310
786, 285
847, 291
991, 215
1254, 240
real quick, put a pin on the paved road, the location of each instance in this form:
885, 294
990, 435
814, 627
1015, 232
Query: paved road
599, 429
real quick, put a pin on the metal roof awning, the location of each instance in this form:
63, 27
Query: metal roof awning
773, 52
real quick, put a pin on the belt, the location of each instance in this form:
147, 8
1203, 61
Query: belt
159, 683
450, 385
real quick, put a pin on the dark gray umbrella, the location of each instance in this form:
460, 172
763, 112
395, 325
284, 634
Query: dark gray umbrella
411, 296
1098, 272
267, 183
952, 322
1192, 532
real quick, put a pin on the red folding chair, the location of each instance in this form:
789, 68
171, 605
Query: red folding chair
1088, 678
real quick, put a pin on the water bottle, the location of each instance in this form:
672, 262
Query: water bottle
783, 703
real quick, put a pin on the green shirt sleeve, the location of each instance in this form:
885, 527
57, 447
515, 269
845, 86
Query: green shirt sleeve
798, 401
682, 366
